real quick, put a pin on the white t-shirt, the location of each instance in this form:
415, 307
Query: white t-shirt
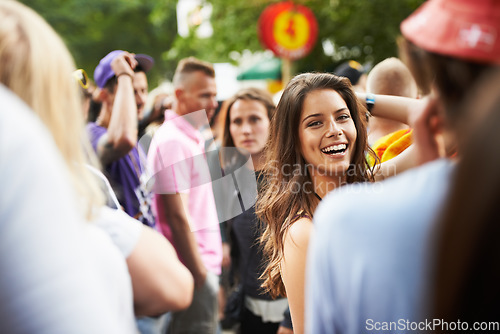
123, 230
58, 274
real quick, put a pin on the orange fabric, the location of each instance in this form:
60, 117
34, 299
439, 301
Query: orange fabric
391, 145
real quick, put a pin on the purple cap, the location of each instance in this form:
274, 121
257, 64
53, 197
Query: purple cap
103, 72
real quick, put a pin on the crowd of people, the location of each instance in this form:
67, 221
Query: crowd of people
363, 201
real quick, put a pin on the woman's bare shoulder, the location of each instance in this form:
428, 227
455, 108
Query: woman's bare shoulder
299, 232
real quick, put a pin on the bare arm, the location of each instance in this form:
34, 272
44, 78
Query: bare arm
177, 215
293, 269
121, 136
160, 281
395, 108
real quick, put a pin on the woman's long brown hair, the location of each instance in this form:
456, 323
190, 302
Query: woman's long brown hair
289, 189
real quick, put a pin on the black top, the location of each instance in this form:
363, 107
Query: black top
246, 251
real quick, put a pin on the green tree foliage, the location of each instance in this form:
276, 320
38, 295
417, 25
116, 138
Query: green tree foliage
363, 30
92, 28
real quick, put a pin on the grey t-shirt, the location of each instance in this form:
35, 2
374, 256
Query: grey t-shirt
369, 259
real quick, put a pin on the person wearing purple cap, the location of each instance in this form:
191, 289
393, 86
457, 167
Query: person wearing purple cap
123, 88
371, 267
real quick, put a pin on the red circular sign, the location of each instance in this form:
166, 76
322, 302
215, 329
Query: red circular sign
287, 29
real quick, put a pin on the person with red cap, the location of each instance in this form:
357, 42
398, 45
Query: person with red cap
123, 87
370, 270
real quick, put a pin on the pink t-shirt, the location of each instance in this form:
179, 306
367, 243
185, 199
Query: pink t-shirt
178, 164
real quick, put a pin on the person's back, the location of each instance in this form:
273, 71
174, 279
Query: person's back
376, 260
379, 281
465, 265
52, 261
389, 77
26, 42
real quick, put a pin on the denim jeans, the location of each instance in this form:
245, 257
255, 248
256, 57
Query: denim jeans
153, 325
202, 315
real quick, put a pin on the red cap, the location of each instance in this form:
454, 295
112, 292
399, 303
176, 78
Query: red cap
468, 29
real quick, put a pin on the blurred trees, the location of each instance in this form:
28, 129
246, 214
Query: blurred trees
92, 28
364, 30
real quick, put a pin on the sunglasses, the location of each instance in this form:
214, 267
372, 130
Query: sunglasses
81, 76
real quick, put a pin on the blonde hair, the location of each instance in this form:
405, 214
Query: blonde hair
37, 66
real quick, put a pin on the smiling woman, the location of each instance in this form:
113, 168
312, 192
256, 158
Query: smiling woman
327, 136
319, 142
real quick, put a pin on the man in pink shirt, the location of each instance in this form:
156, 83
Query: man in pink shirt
184, 201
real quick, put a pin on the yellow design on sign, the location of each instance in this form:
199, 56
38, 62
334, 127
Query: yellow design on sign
291, 30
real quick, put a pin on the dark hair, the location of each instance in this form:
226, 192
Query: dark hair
351, 69
278, 203
466, 269
246, 94
94, 110
452, 77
